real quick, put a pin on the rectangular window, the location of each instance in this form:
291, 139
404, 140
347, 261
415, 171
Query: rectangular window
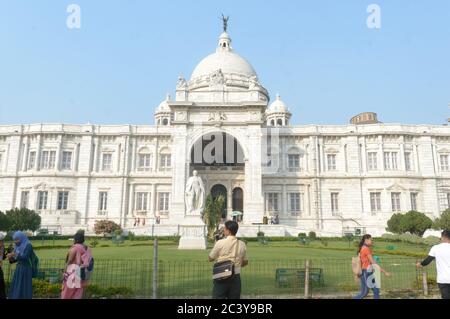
42, 200
107, 162
444, 163
102, 202
145, 162
375, 202
63, 198
395, 199
295, 204
414, 197
1, 161
48, 159
163, 202
141, 202
294, 162
165, 160
408, 161
335, 203
24, 199
390, 161
66, 160
373, 161
331, 160
32, 160
272, 202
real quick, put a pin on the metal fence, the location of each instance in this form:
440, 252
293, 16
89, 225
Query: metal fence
322, 278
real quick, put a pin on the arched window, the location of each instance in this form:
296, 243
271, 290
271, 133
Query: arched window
165, 122
272, 122
280, 122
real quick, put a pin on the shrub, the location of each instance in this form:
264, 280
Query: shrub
443, 222
260, 234
302, 235
4, 222
22, 219
413, 222
312, 235
94, 291
416, 223
411, 238
394, 224
94, 243
44, 289
106, 227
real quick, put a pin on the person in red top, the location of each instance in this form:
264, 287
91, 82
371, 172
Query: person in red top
367, 263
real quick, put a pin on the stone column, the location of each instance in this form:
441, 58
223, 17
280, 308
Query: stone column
153, 200
58, 154
25, 155
253, 201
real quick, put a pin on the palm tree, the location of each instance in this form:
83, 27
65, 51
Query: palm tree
213, 213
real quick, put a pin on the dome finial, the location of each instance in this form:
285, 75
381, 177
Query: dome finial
225, 22
278, 96
168, 97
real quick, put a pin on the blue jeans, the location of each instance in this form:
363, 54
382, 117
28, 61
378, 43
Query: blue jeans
365, 289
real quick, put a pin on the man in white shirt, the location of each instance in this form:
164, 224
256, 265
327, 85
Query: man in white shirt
441, 253
232, 249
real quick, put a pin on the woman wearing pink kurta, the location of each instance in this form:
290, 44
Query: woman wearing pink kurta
73, 286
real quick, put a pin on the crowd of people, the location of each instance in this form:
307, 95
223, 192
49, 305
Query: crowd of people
76, 274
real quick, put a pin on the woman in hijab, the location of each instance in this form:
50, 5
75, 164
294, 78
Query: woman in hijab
21, 285
73, 286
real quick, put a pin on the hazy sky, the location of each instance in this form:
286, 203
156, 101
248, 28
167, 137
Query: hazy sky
319, 55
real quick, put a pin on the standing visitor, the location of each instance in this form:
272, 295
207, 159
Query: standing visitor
2, 257
77, 261
234, 250
368, 267
441, 253
21, 285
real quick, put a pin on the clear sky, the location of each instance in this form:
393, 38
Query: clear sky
319, 55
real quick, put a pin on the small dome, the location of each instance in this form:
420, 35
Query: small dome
278, 106
224, 59
164, 106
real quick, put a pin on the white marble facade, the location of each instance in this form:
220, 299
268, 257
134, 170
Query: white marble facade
328, 179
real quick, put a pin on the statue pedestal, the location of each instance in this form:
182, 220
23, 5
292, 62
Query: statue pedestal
193, 234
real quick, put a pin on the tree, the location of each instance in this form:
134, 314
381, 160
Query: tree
106, 227
394, 224
4, 222
213, 213
443, 222
22, 219
415, 223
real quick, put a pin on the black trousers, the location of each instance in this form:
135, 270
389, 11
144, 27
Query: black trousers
228, 288
445, 290
2, 285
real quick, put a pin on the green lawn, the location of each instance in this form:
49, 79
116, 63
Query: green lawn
188, 274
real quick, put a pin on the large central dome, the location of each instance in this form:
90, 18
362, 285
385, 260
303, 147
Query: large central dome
224, 59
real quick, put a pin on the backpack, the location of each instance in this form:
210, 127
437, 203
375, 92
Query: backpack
87, 264
34, 262
356, 267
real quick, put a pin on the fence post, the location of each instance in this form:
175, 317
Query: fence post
155, 269
425, 283
307, 287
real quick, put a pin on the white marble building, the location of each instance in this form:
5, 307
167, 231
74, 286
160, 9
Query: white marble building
328, 179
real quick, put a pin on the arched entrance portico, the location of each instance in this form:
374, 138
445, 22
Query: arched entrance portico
238, 201
219, 159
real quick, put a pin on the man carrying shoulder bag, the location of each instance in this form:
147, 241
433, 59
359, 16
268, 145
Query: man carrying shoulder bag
230, 255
